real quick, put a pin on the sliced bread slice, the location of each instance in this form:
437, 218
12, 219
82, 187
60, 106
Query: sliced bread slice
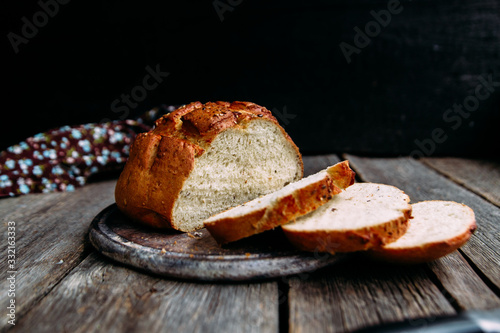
436, 229
277, 208
365, 215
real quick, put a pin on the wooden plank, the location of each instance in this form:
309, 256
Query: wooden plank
316, 163
51, 232
360, 293
23, 207
100, 296
480, 176
462, 285
422, 183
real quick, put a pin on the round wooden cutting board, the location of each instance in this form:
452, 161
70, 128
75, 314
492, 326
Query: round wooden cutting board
196, 255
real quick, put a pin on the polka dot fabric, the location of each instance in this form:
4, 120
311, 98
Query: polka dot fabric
62, 159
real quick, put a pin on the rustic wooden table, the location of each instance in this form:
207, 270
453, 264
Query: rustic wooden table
63, 285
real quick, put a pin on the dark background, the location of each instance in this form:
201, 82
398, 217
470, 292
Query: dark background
284, 55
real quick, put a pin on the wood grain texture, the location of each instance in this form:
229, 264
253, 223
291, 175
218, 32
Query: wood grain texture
361, 293
422, 183
480, 176
462, 284
100, 296
316, 163
64, 287
50, 239
26, 207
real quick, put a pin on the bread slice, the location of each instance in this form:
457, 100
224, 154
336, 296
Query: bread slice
280, 207
202, 159
436, 229
365, 215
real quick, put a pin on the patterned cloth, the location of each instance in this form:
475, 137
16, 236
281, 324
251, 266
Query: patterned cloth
62, 159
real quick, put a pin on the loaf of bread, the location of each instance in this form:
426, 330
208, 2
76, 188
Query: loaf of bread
280, 207
436, 229
364, 216
202, 159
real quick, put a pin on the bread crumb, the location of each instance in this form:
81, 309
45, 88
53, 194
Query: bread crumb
195, 234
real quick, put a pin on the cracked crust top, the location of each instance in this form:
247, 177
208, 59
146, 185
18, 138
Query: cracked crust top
200, 123
161, 160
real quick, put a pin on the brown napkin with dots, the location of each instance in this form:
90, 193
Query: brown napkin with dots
62, 159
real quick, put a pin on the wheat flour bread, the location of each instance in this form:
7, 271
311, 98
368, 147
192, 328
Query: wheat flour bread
436, 229
364, 216
202, 159
288, 203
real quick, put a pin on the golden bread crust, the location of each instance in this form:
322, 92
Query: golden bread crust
162, 159
350, 240
426, 252
287, 208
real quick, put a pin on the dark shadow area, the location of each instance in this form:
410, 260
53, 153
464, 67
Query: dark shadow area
425, 78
